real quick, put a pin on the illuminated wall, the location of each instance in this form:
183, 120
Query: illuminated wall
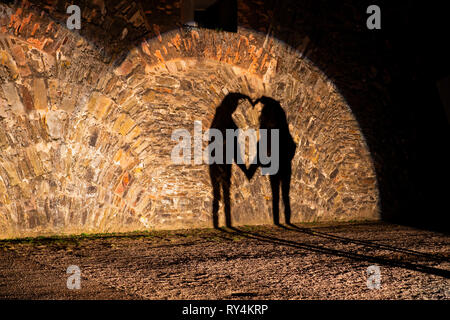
85, 143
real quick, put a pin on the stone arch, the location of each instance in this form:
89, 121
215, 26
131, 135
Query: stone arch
85, 143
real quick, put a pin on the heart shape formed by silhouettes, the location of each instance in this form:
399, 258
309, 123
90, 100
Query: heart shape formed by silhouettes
246, 116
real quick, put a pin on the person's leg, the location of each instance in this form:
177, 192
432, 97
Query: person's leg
250, 172
285, 188
226, 184
275, 186
216, 182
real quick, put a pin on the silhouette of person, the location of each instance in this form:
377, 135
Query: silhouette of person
220, 174
273, 117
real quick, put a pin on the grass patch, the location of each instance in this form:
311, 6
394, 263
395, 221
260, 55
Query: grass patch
165, 235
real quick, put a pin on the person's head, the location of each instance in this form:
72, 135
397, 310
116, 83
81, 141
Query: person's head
270, 108
231, 100
267, 102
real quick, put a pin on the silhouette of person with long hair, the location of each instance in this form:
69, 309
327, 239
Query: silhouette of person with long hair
273, 117
220, 173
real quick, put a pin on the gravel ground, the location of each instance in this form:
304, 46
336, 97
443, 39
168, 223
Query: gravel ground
317, 261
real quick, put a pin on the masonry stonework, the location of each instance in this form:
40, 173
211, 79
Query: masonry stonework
85, 139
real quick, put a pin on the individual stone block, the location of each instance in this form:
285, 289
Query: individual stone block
11, 95
40, 94
124, 159
27, 99
99, 105
8, 61
133, 134
55, 123
18, 54
123, 124
34, 160
70, 98
125, 180
12, 176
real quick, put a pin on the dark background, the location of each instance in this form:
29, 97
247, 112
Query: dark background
389, 77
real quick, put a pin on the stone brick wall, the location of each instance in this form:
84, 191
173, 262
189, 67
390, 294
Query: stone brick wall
85, 135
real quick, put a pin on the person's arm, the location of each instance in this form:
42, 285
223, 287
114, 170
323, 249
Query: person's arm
250, 172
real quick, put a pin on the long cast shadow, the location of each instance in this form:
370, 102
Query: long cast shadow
369, 244
339, 253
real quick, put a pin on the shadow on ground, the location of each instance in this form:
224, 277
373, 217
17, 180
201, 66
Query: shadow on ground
348, 254
308, 261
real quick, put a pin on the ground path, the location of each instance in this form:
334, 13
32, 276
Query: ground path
319, 261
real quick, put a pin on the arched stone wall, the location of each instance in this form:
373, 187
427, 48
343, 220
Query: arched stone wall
85, 143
